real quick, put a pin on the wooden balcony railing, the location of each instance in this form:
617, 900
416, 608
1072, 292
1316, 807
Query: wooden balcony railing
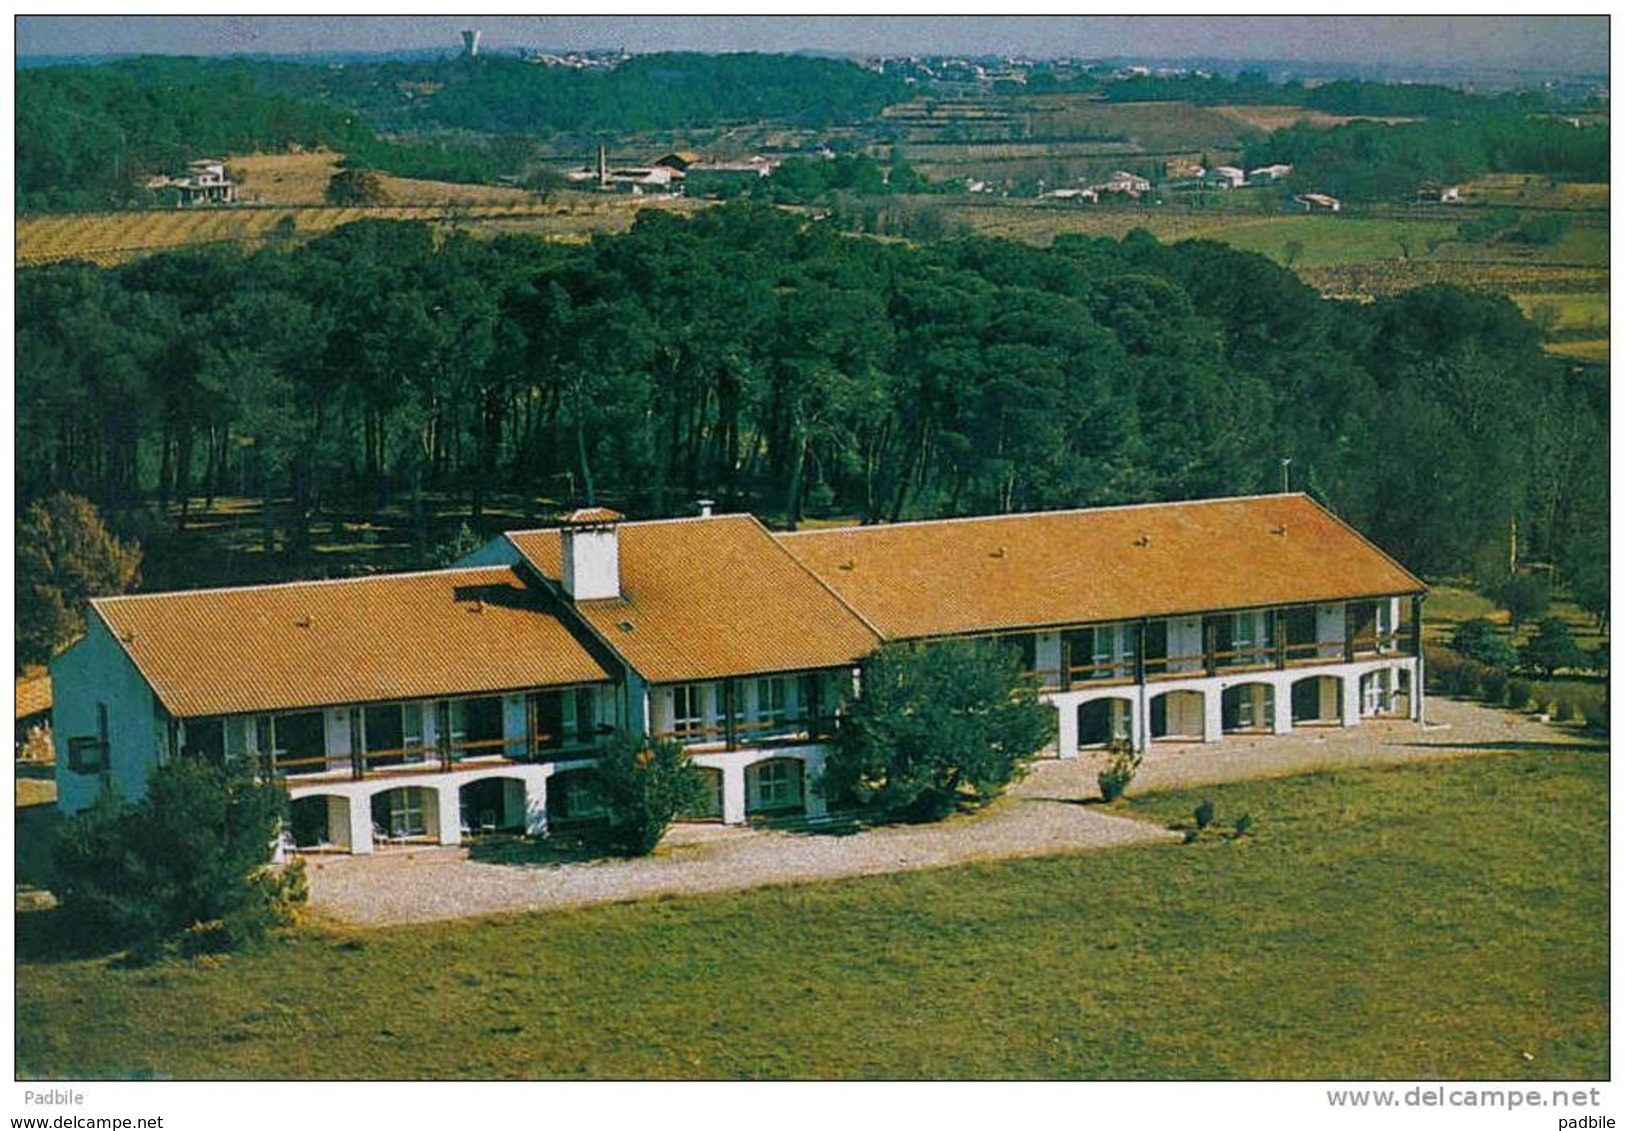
424, 758
754, 732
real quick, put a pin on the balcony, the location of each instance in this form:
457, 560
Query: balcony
440, 758
753, 734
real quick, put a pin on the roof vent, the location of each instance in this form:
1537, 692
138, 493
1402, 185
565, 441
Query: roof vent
627, 626
1279, 530
479, 604
706, 506
850, 564
1143, 541
306, 621
1000, 552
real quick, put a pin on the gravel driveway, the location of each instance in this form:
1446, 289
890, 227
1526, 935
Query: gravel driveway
1041, 815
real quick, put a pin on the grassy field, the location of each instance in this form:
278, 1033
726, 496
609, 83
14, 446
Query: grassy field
1441, 920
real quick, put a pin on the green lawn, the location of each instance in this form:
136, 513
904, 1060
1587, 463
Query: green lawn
1445, 919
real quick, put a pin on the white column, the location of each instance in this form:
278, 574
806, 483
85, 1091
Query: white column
1212, 715
1351, 699
449, 814
360, 824
1283, 706
733, 792
338, 821
1066, 736
536, 805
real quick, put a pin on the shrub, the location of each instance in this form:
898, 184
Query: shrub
1552, 647
1122, 763
1440, 665
1204, 813
195, 850
1469, 680
644, 784
1519, 692
1244, 824
1495, 685
1594, 706
1480, 640
1563, 710
1525, 596
938, 726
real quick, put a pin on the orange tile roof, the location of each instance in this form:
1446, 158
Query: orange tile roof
1115, 563
320, 643
707, 598
33, 695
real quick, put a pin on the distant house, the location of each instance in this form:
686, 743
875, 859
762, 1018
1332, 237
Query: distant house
1268, 174
1435, 193
1319, 202
1072, 195
33, 734
204, 182
1227, 177
638, 180
1181, 170
1123, 182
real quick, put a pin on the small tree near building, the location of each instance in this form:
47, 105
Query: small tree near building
65, 556
193, 855
644, 784
938, 726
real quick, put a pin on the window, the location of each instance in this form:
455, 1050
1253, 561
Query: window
773, 785
586, 704
206, 739
398, 813
299, 741
1156, 646
772, 694
476, 725
393, 733
87, 754
688, 709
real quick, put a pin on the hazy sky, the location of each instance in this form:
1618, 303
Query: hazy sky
1544, 43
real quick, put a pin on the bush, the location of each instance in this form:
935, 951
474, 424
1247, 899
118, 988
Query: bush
1563, 709
1495, 685
1594, 706
644, 784
1480, 640
1519, 693
1204, 813
1552, 647
938, 726
1469, 680
193, 854
1122, 763
1440, 666
1244, 825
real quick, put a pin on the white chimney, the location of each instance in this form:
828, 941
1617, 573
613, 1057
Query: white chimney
592, 554
705, 507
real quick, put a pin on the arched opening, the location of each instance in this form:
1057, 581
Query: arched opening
774, 786
573, 798
1104, 721
1317, 699
710, 806
492, 805
1247, 708
406, 813
1177, 716
319, 822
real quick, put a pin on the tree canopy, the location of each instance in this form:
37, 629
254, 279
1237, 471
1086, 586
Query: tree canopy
938, 726
65, 556
779, 366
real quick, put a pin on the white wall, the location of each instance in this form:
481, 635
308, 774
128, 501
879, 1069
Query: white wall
97, 670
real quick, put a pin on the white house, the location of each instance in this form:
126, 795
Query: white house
1319, 202
1268, 174
1227, 177
424, 706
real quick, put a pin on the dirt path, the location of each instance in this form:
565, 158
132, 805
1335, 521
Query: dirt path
1042, 815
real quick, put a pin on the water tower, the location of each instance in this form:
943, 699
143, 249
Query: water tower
471, 42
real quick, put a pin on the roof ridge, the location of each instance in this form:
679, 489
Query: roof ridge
732, 515
826, 586
307, 583
1039, 514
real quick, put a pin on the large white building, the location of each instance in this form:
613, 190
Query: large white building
424, 706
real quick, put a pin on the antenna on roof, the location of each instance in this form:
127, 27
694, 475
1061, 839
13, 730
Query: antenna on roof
1286, 475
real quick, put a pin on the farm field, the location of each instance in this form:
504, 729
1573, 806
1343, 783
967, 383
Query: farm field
1452, 917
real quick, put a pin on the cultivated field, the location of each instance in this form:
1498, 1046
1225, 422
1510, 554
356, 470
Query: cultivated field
1437, 920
